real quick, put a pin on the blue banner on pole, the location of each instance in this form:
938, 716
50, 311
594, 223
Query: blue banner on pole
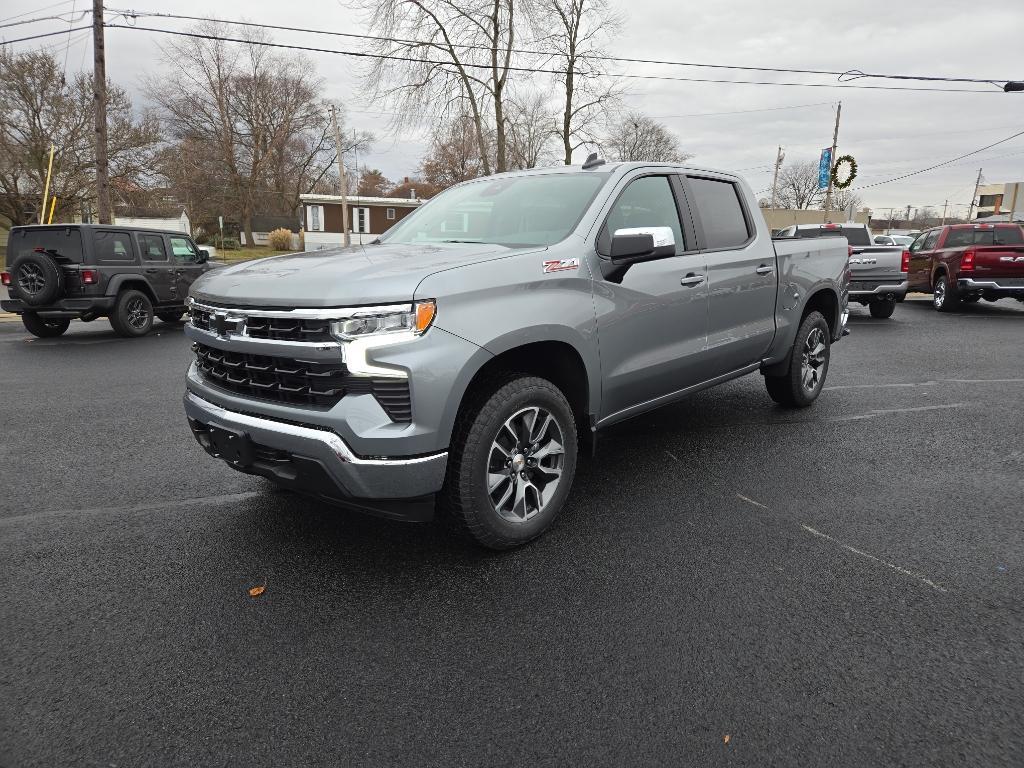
824, 168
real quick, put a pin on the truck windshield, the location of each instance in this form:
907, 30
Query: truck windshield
64, 243
513, 211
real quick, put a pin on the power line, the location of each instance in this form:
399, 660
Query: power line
36, 10
852, 74
45, 34
939, 165
533, 70
60, 17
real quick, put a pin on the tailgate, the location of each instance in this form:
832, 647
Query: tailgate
877, 262
999, 260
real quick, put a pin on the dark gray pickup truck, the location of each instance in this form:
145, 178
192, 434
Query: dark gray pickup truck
469, 354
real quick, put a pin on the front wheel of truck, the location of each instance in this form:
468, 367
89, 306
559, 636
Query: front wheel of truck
808, 366
512, 461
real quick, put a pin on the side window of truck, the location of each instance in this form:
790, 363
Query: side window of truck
646, 202
931, 240
183, 250
113, 247
721, 213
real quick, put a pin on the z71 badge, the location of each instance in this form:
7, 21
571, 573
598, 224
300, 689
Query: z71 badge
561, 265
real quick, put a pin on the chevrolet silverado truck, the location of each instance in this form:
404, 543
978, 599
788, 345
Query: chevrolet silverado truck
878, 273
465, 358
961, 263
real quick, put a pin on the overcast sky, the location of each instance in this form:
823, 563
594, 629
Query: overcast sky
889, 132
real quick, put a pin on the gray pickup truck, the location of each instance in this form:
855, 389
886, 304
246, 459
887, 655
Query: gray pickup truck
878, 273
465, 358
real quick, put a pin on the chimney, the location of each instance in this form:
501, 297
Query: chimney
405, 180
412, 194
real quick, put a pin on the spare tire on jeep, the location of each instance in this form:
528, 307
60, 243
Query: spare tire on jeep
39, 279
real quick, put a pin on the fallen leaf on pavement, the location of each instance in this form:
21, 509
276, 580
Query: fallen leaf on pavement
257, 591
726, 738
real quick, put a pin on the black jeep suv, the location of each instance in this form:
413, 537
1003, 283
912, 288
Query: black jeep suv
64, 271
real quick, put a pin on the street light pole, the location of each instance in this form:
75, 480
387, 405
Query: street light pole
341, 175
832, 160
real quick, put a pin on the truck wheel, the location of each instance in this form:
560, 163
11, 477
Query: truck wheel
882, 309
171, 317
132, 314
808, 366
944, 296
44, 329
512, 462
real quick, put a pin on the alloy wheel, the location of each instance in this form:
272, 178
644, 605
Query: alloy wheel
524, 465
813, 365
31, 279
138, 314
939, 295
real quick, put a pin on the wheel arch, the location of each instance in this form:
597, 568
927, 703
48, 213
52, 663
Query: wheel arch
120, 283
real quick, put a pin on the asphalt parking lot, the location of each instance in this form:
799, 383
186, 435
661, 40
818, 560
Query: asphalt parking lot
731, 584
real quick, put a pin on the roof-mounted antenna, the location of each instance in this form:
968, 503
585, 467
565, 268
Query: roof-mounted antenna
593, 161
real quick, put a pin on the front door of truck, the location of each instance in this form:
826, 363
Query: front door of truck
652, 319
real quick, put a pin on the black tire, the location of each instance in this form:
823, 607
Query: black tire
132, 315
882, 309
38, 278
971, 299
43, 328
945, 297
171, 317
482, 448
790, 390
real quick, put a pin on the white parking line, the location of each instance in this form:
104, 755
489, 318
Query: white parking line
200, 501
887, 411
855, 551
927, 383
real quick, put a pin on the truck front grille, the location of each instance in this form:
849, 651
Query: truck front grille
298, 382
268, 328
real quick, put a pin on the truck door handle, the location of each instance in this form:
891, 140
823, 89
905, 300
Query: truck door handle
764, 269
152, 270
691, 280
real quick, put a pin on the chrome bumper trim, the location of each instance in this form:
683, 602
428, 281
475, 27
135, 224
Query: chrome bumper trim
985, 285
899, 289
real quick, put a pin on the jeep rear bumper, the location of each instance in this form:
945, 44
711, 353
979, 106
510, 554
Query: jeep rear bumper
317, 461
65, 308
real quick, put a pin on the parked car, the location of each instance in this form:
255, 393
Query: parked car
961, 263
463, 355
61, 272
903, 240
883, 240
878, 272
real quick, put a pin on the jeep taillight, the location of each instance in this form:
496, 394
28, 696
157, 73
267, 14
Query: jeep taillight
905, 262
5, 278
967, 262
89, 277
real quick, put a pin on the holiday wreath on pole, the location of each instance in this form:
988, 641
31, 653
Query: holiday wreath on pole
848, 159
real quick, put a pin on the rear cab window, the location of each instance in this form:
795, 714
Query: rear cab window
958, 238
721, 213
65, 245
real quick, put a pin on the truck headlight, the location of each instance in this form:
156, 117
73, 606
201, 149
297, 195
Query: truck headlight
411, 318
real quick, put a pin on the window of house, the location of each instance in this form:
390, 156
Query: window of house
990, 201
361, 220
391, 214
314, 218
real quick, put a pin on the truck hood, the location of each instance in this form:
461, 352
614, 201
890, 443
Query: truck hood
340, 277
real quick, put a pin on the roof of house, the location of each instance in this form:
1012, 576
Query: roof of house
393, 202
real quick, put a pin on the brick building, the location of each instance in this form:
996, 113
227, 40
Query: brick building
368, 217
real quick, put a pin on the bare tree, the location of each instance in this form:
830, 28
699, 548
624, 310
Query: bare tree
531, 131
448, 58
798, 186
843, 198
454, 155
587, 90
639, 137
39, 108
250, 121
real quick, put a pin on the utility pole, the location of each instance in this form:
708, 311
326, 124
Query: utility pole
341, 176
890, 221
970, 211
832, 159
908, 216
945, 205
99, 87
779, 157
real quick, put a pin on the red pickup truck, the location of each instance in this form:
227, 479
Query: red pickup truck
966, 262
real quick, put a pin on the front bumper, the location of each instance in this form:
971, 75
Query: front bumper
860, 292
1009, 286
312, 460
65, 308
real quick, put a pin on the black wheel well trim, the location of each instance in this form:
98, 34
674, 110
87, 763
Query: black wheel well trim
554, 360
132, 282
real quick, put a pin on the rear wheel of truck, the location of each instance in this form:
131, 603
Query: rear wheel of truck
512, 462
132, 314
808, 365
882, 309
945, 297
44, 329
